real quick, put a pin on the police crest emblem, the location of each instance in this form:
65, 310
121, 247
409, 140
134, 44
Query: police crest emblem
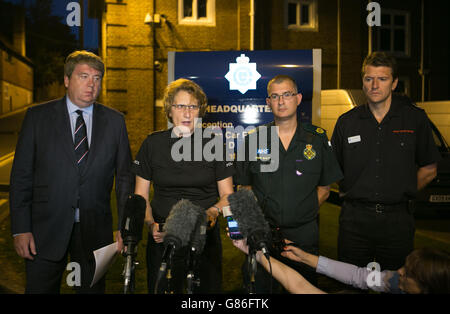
309, 152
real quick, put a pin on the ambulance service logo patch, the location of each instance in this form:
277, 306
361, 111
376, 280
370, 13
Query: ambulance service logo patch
309, 152
242, 75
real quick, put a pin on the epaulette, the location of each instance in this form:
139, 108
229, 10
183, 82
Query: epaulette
415, 106
156, 133
314, 129
258, 128
406, 101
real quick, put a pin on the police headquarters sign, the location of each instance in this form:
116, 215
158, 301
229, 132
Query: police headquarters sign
236, 83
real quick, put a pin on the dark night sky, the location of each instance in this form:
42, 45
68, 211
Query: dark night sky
59, 9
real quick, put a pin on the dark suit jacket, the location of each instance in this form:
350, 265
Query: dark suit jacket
46, 182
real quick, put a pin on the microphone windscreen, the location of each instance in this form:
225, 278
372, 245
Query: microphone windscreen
198, 238
181, 221
133, 217
247, 212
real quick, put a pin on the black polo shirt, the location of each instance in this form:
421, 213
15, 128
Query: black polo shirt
380, 160
288, 195
175, 180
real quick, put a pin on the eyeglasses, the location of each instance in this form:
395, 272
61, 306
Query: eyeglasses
285, 95
189, 107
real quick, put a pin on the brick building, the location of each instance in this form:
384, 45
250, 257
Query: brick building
137, 35
16, 70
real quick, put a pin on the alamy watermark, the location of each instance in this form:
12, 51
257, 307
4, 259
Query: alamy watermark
235, 147
73, 279
374, 17
374, 277
74, 17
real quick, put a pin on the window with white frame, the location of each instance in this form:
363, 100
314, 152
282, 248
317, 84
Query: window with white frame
393, 34
301, 15
197, 12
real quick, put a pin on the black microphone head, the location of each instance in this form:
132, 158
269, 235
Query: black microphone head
133, 218
247, 213
180, 223
198, 237
259, 239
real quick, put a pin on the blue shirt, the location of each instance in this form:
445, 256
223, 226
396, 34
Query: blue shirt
87, 116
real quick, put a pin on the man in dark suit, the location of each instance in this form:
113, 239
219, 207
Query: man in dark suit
67, 155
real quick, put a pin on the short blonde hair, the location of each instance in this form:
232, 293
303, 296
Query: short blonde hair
188, 86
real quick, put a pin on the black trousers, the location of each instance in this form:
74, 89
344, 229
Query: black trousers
208, 270
367, 233
44, 276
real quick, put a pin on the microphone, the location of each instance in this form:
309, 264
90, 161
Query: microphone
131, 232
251, 222
198, 237
133, 221
179, 226
197, 243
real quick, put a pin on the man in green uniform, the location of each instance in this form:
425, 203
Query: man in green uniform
291, 194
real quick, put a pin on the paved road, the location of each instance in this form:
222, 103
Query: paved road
10, 125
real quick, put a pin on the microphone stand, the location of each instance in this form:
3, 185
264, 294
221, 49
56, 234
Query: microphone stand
130, 265
252, 270
169, 273
190, 279
165, 268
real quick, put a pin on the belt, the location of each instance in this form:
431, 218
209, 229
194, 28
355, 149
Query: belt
380, 208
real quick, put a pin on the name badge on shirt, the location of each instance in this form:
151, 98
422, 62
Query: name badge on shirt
263, 154
354, 139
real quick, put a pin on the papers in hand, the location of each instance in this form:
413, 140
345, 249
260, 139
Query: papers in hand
104, 258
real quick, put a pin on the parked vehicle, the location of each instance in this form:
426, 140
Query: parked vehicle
435, 197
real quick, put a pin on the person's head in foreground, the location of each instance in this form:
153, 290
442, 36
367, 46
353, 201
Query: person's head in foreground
426, 270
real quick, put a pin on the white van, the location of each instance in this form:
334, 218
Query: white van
335, 102
439, 114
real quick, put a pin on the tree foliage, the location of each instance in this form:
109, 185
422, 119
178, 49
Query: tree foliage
48, 41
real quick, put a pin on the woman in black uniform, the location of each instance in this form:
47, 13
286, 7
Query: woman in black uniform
204, 183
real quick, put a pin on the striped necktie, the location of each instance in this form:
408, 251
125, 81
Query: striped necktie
81, 140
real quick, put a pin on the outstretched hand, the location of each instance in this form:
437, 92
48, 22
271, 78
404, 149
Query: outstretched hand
241, 245
293, 252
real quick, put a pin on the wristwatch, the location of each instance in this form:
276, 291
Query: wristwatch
218, 209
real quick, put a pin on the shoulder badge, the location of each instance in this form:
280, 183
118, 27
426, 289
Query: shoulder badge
309, 152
